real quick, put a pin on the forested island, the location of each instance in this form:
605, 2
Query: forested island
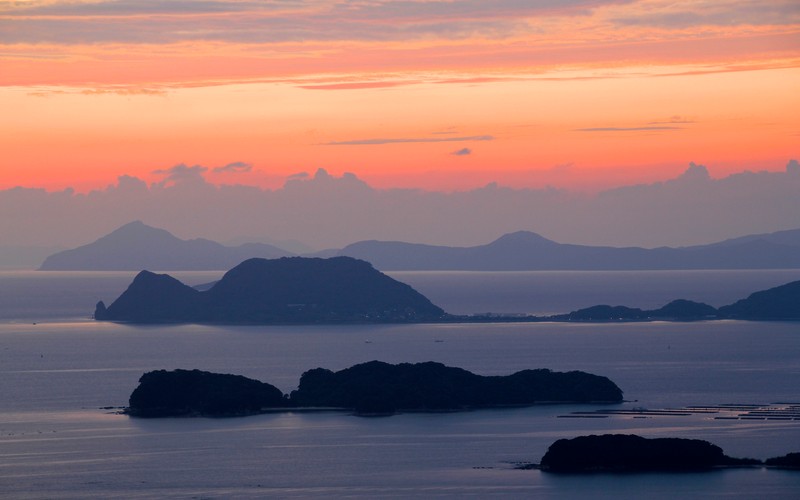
616, 453
629, 452
373, 388
342, 290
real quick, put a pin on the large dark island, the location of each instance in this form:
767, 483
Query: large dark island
280, 291
368, 388
378, 387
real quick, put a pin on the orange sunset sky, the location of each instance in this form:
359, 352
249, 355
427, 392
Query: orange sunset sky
447, 94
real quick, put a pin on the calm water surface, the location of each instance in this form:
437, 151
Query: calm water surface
56, 441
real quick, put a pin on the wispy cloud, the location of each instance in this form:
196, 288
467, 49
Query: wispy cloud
106, 8
235, 167
625, 129
469, 42
298, 176
372, 142
462, 152
358, 85
672, 14
129, 91
672, 120
182, 173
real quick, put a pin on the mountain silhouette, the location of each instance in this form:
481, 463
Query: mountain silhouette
778, 303
265, 291
525, 250
136, 246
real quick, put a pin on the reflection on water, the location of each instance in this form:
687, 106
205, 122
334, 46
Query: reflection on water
56, 441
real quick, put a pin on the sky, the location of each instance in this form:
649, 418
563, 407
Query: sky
438, 95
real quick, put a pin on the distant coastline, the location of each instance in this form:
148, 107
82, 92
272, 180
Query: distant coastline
343, 290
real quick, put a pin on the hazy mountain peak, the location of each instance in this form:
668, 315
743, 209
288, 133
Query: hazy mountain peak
138, 229
139, 246
521, 237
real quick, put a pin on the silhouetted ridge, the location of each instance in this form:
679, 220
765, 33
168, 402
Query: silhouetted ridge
778, 303
286, 290
139, 246
525, 250
781, 302
684, 309
677, 310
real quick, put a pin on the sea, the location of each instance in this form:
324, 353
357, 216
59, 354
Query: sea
64, 377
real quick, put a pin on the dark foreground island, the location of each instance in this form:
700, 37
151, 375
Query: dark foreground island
631, 453
367, 389
180, 393
378, 387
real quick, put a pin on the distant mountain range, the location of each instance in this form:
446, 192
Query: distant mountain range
525, 250
137, 246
